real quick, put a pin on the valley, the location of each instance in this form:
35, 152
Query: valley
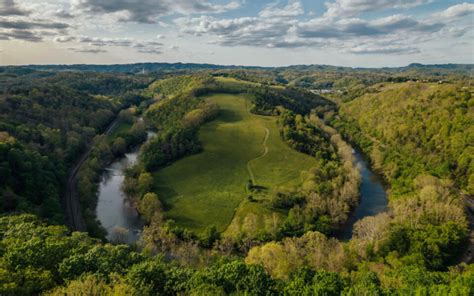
226, 181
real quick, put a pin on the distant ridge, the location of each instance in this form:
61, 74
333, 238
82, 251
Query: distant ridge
137, 68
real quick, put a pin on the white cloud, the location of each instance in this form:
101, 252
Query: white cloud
292, 9
88, 50
456, 11
383, 50
142, 46
351, 8
288, 32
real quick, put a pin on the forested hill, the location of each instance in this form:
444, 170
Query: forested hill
411, 129
420, 137
46, 123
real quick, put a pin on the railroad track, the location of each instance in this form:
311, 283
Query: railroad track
72, 207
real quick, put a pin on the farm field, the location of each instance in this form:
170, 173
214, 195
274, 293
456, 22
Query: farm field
208, 188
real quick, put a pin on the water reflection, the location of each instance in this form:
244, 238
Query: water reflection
373, 198
113, 210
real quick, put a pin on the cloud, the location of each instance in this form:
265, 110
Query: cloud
19, 24
149, 11
292, 9
24, 35
88, 50
150, 51
351, 8
456, 11
9, 8
354, 27
288, 32
142, 46
32, 22
371, 50
251, 31
61, 13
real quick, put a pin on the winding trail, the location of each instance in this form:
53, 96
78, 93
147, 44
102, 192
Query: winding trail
265, 147
265, 152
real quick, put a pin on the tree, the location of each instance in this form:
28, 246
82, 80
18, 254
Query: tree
119, 146
145, 183
148, 278
119, 235
150, 207
210, 236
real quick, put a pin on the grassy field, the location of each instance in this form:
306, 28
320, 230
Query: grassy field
231, 82
208, 188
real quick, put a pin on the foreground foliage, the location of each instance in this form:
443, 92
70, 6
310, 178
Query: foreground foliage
38, 258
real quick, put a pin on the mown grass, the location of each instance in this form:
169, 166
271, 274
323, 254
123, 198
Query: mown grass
207, 188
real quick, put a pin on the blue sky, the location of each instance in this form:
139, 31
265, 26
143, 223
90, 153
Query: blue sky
366, 33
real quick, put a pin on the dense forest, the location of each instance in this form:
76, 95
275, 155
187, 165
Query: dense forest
45, 125
424, 129
414, 124
85, 266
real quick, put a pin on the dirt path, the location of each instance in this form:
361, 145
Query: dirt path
71, 203
265, 151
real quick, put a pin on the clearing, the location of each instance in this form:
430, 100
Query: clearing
210, 188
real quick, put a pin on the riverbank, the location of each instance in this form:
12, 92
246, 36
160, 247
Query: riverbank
116, 215
373, 197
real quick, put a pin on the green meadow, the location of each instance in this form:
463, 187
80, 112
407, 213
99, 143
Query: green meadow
210, 188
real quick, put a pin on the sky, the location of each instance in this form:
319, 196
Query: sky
356, 33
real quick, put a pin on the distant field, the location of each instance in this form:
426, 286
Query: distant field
207, 188
230, 81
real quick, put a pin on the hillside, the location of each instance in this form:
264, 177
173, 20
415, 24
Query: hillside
205, 189
411, 129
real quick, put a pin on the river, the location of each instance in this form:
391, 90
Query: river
113, 210
373, 197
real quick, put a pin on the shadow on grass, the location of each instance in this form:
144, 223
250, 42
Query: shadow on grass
166, 195
228, 116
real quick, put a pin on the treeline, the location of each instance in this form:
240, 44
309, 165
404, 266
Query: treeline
78, 264
329, 190
263, 77
88, 82
46, 121
177, 120
297, 100
179, 84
